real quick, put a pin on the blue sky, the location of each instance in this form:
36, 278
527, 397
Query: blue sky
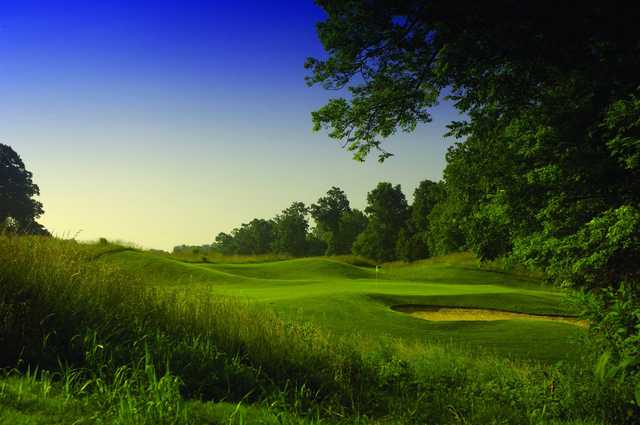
163, 123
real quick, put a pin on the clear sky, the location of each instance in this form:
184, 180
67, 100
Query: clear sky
164, 123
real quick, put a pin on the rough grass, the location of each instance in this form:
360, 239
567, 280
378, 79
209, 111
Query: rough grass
109, 346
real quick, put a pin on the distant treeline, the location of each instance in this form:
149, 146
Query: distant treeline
389, 228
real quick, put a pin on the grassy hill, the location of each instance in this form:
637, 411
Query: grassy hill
348, 299
98, 334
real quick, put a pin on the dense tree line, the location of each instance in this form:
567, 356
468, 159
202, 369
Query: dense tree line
547, 165
388, 229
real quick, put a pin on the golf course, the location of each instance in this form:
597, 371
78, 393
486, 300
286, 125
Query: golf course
355, 300
320, 212
122, 335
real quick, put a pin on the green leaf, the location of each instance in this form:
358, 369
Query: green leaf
601, 366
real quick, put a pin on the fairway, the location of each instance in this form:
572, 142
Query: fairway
352, 300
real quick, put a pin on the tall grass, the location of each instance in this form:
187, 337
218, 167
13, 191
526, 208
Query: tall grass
61, 310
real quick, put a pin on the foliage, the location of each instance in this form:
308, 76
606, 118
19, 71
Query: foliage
412, 241
622, 123
351, 224
395, 58
337, 226
488, 230
387, 211
368, 244
615, 315
335, 222
225, 244
316, 246
290, 230
387, 205
547, 162
548, 146
328, 209
446, 228
556, 143
397, 231
605, 252
425, 198
253, 238
410, 246
18, 208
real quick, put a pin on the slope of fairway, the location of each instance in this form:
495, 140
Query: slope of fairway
162, 271
350, 300
167, 271
459, 268
303, 268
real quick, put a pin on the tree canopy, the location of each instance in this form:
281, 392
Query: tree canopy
336, 223
387, 211
550, 94
546, 167
493, 59
290, 230
413, 241
327, 212
19, 209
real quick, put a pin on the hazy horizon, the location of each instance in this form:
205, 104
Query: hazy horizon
165, 126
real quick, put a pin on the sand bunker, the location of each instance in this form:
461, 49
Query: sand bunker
458, 314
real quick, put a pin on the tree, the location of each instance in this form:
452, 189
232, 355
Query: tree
549, 92
262, 235
327, 212
18, 208
446, 228
412, 244
489, 230
351, 224
254, 238
225, 243
387, 211
425, 197
396, 57
369, 244
547, 165
316, 245
290, 230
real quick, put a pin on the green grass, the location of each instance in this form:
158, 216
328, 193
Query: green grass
38, 399
216, 257
349, 299
127, 337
